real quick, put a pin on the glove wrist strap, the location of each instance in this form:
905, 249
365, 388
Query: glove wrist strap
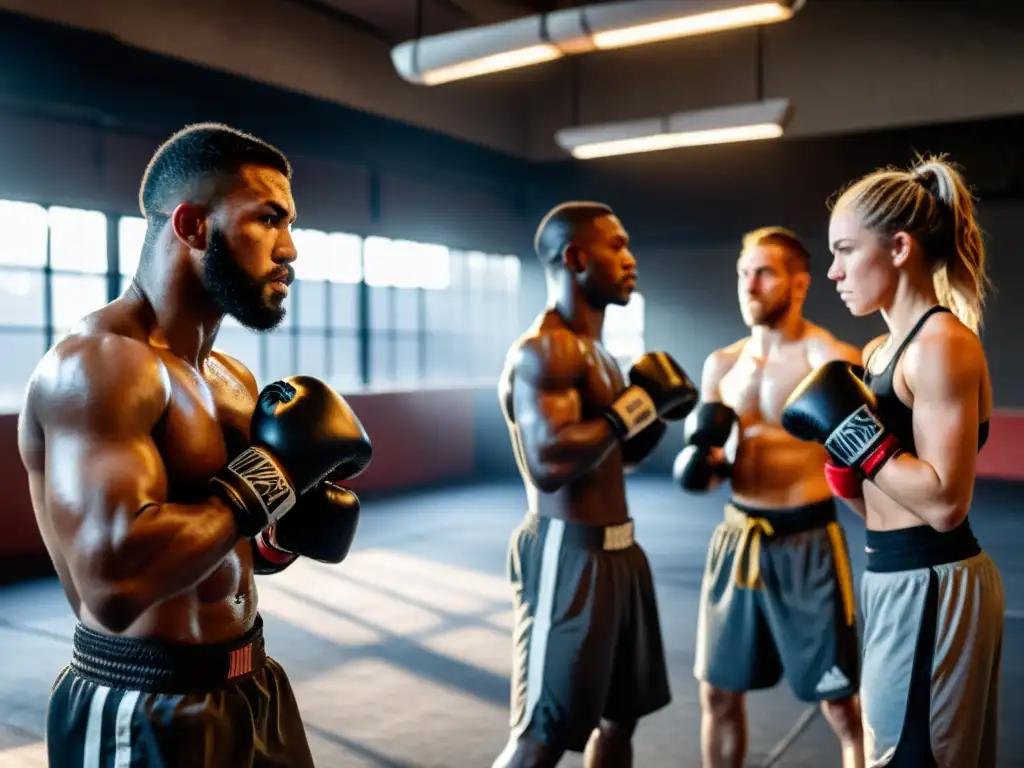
874, 461
256, 486
632, 412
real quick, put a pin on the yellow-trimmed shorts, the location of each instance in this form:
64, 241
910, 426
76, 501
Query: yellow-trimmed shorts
778, 597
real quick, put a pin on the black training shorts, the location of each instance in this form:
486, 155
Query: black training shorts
146, 704
587, 636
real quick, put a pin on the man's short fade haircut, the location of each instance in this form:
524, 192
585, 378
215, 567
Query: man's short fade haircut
562, 224
197, 161
799, 256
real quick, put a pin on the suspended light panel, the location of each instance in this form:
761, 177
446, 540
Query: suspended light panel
723, 125
529, 41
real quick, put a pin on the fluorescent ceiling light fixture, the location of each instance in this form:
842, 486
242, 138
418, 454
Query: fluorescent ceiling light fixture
524, 42
722, 125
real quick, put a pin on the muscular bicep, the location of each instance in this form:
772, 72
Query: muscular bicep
545, 398
945, 374
102, 466
542, 412
715, 367
557, 444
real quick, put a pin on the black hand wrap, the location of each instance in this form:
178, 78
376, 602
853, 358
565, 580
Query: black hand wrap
707, 427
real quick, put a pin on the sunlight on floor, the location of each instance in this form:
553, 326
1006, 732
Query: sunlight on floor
371, 702
26, 756
379, 592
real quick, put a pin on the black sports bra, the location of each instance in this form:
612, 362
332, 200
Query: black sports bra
894, 413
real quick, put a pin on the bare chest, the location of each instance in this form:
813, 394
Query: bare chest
602, 380
206, 423
757, 389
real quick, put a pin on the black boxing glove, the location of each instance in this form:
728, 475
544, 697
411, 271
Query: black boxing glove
640, 446
300, 431
659, 389
709, 426
834, 407
322, 527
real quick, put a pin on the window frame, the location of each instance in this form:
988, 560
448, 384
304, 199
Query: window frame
458, 336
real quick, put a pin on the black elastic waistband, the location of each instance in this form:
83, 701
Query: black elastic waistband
584, 535
158, 666
908, 549
793, 519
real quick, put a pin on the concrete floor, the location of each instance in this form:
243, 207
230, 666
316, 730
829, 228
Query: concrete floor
401, 656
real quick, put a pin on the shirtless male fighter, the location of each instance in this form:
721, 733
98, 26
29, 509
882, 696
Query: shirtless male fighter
589, 660
778, 592
160, 478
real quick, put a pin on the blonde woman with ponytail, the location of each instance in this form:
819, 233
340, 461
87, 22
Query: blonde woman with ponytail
903, 434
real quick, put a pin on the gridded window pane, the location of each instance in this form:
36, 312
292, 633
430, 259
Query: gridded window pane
309, 303
311, 260
321, 256
441, 310
624, 330
345, 363
78, 240
407, 359
244, 345
512, 268
407, 309
444, 353
75, 296
421, 265
380, 308
476, 269
344, 301
380, 264
381, 359
459, 267
346, 258
280, 358
312, 354
131, 234
22, 351
24, 226
22, 299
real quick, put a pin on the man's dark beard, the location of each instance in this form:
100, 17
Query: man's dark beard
774, 314
236, 293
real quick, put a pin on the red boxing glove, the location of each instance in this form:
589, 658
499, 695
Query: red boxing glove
845, 482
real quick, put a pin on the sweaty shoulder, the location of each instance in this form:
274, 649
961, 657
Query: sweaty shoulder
237, 373
550, 358
823, 347
716, 365
102, 382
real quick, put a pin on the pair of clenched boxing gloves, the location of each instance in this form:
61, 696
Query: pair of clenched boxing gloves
832, 406
284, 489
305, 440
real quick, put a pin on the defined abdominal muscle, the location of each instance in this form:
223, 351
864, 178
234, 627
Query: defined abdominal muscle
774, 469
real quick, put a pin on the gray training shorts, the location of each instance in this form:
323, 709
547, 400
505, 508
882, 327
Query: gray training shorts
933, 636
